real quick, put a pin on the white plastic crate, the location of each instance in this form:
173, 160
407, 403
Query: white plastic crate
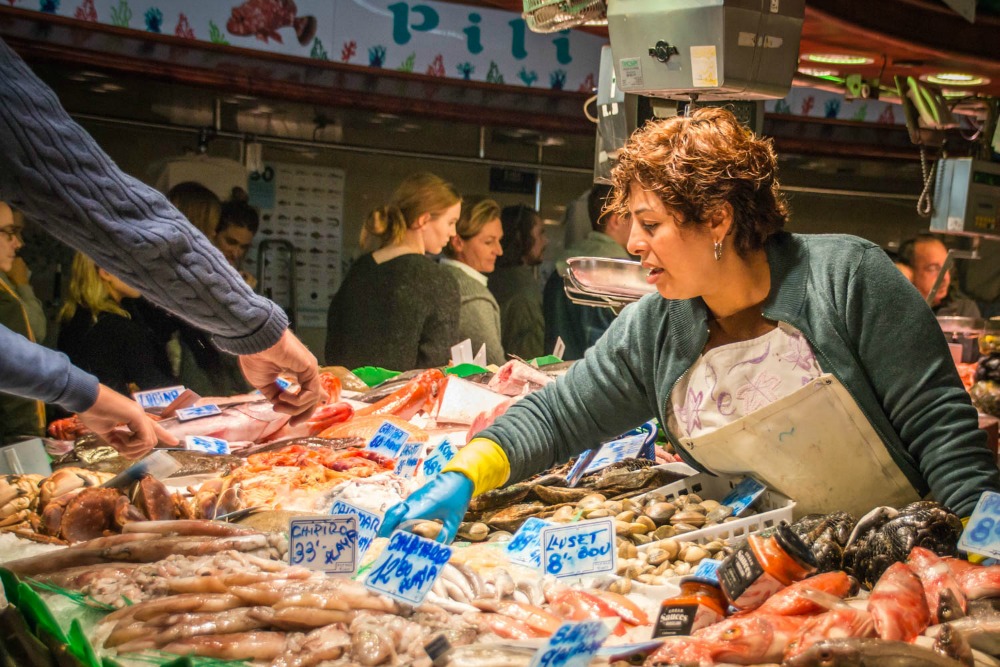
771, 507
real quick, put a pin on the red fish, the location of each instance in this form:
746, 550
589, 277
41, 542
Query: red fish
845, 621
976, 581
750, 640
577, 605
937, 580
263, 18
790, 601
898, 605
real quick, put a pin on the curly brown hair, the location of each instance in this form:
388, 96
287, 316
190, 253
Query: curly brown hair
695, 164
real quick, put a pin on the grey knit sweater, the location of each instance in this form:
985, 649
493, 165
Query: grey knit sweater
57, 175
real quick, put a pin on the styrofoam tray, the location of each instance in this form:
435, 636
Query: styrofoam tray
772, 508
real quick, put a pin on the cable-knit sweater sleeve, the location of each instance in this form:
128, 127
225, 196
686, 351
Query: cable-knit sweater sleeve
58, 176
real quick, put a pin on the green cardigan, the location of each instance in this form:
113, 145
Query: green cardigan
868, 326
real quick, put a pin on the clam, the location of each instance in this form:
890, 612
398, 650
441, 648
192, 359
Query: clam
685, 528
710, 504
475, 531
693, 518
670, 547
719, 514
641, 538
623, 528
628, 516
664, 531
621, 586
428, 529
564, 514
646, 521
596, 513
660, 512
638, 528
592, 500
694, 554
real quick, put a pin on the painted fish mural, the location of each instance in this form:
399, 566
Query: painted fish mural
263, 19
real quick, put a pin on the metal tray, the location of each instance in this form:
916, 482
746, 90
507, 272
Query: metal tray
618, 279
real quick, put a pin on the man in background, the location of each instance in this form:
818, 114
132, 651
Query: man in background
580, 326
926, 254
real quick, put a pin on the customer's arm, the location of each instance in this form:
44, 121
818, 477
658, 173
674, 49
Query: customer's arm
57, 175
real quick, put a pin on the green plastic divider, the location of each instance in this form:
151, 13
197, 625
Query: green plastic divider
465, 370
10, 584
80, 646
374, 375
38, 614
546, 360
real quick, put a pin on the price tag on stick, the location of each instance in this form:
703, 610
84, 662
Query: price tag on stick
368, 523
409, 459
438, 459
328, 544
586, 547
408, 567
982, 533
388, 440
525, 547
572, 645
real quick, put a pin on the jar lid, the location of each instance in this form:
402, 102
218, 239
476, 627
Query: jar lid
794, 546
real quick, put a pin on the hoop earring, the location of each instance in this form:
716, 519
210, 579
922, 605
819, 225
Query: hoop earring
718, 250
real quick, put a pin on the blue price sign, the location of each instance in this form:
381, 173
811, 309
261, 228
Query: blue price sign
439, 458
708, 569
202, 443
187, 414
368, 523
328, 544
525, 547
388, 440
982, 533
744, 495
408, 567
572, 645
157, 398
582, 461
615, 451
409, 459
587, 547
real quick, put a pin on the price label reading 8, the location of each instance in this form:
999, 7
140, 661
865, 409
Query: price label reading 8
982, 532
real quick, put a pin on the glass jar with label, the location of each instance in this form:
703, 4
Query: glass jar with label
763, 566
699, 604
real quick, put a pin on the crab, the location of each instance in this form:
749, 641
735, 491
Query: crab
65, 480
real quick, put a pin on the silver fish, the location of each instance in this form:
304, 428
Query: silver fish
868, 653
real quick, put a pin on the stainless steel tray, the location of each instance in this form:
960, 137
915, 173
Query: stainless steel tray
619, 279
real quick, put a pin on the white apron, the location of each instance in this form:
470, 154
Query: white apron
814, 446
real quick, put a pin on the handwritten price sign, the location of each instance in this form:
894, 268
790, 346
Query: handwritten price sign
525, 547
408, 567
388, 440
328, 544
409, 459
572, 645
982, 533
368, 523
157, 398
438, 459
587, 547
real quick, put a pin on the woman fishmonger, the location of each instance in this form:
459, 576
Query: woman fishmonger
806, 361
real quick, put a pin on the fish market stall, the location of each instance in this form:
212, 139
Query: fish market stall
205, 560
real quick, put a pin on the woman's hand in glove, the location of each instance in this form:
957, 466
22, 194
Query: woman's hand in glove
445, 497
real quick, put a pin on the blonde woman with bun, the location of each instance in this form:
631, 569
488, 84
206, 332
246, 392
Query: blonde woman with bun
99, 336
470, 255
397, 308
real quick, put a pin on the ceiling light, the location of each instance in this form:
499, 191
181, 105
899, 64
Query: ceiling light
818, 71
838, 59
955, 79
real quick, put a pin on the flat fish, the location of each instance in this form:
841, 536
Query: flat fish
868, 653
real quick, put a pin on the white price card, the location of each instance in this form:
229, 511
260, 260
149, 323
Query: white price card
982, 533
409, 459
438, 459
572, 645
586, 547
157, 398
368, 523
328, 544
615, 451
388, 440
203, 443
187, 414
744, 495
525, 547
408, 567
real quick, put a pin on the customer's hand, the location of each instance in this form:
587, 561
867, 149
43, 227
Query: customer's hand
290, 357
445, 497
124, 425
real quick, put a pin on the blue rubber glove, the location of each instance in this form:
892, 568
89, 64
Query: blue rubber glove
445, 497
